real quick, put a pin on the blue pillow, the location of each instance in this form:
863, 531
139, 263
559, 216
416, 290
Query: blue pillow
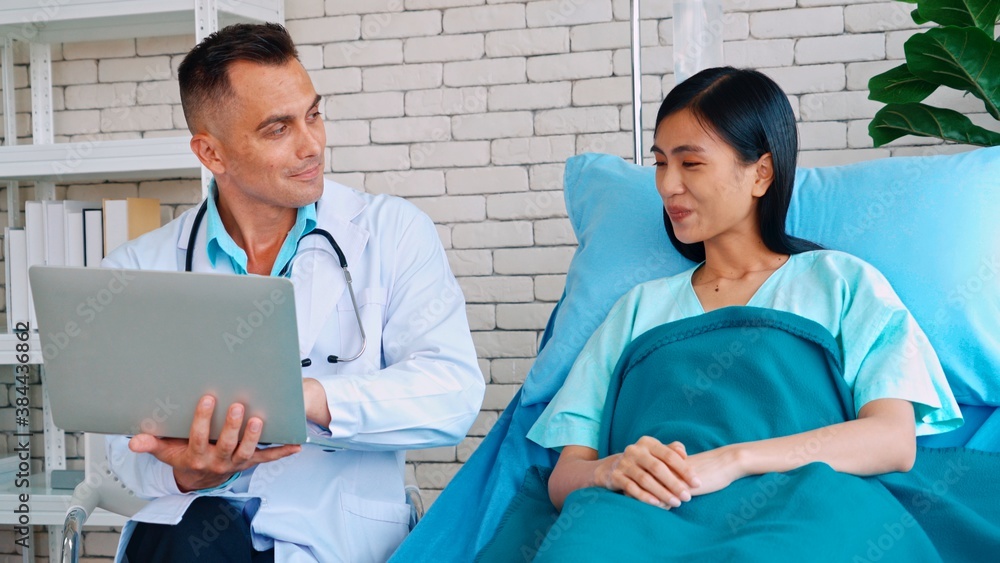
617, 216
930, 224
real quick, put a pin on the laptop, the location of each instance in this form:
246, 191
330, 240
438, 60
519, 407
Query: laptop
129, 352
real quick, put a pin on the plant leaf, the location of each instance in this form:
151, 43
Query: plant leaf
899, 85
964, 58
898, 120
917, 18
966, 13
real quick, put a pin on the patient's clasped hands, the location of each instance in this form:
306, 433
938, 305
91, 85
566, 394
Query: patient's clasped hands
664, 475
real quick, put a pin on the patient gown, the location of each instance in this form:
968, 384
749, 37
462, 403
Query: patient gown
885, 353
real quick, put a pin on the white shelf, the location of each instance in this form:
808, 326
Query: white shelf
42, 23
98, 20
133, 159
48, 505
9, 353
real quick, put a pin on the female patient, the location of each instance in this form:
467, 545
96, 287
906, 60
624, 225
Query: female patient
725, 149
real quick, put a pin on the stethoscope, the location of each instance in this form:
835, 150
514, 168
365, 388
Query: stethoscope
189, 258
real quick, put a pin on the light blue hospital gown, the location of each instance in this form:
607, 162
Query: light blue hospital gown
886, 355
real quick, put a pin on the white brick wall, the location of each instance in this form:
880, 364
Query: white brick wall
493, 125
530, 96
527, 42
469, 108
410, 129
444, 48
484, 18
484, 72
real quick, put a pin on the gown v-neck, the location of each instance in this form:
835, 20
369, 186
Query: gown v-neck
700, 307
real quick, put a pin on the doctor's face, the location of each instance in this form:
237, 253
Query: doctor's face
270, 136
706, 189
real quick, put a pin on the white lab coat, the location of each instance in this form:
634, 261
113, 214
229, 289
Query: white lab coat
417, 385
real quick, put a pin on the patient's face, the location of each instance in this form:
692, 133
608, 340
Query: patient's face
273, 140
707, 191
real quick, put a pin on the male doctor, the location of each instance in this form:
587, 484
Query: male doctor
256, 124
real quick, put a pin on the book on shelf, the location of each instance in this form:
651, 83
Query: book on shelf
55, 233
72, 218
93, 237
34, 228
126, 219
16, 264
74, 239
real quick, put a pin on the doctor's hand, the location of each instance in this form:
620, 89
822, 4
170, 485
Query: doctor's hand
317, 409
199, 464
651, 472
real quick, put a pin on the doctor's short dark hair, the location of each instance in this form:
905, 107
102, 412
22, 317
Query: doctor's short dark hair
204, 72
751, 114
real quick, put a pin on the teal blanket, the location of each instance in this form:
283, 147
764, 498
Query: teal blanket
741, 374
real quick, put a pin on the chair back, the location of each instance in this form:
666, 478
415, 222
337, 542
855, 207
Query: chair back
100, 486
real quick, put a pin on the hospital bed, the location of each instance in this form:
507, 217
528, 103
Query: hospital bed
928, 223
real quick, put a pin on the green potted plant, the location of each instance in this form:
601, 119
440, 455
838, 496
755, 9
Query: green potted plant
962, 54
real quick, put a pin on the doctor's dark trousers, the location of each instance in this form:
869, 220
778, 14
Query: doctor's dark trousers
211, 531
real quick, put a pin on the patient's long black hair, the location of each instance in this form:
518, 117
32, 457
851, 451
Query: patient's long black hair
748, 111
